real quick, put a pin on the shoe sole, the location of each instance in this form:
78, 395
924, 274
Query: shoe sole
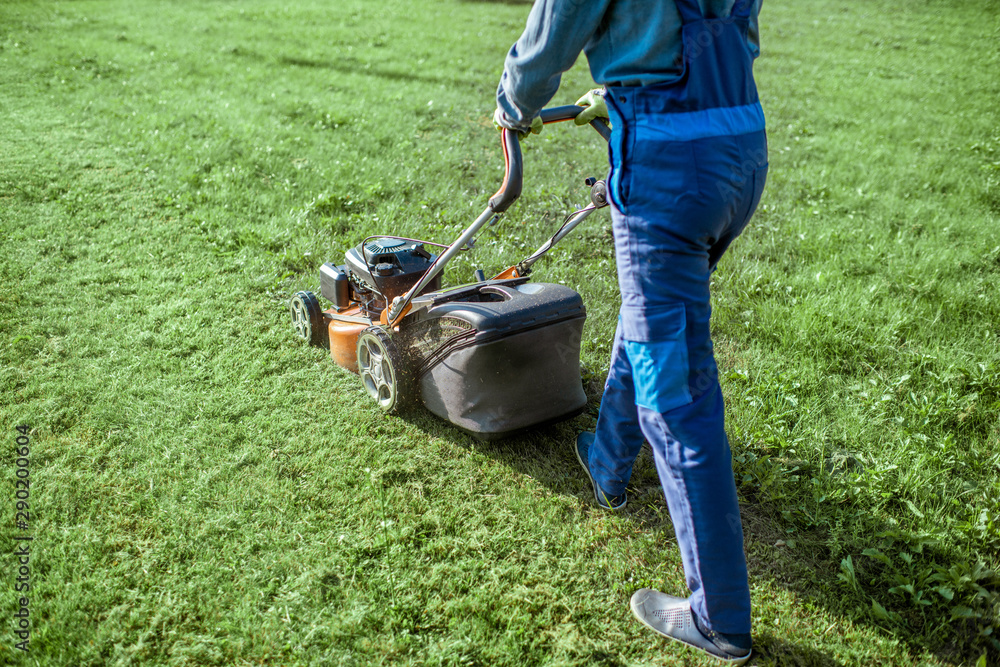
593, 483
731, 661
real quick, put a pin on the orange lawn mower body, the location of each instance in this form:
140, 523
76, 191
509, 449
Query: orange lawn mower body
492, 357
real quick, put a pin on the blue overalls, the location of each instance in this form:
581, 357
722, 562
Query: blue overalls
688, 164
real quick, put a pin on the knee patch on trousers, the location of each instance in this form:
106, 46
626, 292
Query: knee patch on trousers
655, 343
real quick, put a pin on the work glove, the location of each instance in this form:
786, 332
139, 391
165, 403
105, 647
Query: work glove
596, 108
536, 124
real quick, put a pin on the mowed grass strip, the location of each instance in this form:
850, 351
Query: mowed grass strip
206, 490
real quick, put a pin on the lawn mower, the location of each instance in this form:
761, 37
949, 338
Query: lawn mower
491, 356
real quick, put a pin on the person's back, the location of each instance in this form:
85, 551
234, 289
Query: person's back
627, 43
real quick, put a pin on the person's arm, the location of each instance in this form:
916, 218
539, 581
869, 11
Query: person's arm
556, 33
754, 32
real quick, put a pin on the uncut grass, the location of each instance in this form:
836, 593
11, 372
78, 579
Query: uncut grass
208, 491
875, 345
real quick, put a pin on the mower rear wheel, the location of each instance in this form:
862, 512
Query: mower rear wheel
383, 370
307, 318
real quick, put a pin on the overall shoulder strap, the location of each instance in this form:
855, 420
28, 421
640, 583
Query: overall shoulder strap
741, 9
690, 10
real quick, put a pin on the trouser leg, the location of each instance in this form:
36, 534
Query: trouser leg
676, 207
669, 236
665, 334
693, 460
618, 437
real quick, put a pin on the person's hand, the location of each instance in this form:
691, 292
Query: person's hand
536, 124
596, 108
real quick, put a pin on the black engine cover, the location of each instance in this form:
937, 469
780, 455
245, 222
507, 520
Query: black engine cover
390, 266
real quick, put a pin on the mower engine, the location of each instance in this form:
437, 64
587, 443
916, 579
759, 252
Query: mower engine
376, 272
491, 356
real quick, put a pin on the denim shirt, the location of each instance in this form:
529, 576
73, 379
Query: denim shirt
627, 43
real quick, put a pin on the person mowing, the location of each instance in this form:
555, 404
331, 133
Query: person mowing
688, 158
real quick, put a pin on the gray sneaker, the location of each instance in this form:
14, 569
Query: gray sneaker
583, 443
672, 617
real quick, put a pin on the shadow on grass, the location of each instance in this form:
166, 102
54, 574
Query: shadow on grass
353, 66
810, 569
770, 650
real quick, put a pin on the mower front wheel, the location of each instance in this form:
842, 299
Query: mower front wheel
383, 370
307, 318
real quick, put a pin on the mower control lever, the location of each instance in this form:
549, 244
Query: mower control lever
508, 193
513, 179
598, 192
571, 111
513, 176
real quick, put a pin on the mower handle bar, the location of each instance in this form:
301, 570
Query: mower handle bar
509, 191
513, 178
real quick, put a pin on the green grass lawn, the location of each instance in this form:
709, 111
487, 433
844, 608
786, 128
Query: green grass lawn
205, 489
